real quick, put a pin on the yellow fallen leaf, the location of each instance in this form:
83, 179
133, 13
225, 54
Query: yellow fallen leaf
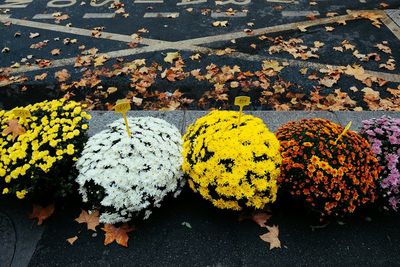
171, 56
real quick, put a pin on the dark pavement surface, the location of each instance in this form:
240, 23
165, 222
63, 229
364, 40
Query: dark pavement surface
182, 24
216, 238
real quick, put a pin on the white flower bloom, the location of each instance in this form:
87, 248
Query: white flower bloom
128, 176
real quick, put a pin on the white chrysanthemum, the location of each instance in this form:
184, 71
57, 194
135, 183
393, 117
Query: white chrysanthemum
126, 176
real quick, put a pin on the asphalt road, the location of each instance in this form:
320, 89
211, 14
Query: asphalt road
43, 37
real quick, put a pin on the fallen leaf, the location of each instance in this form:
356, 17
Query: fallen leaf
302, 28
15, 128
261, 218
91, 219
117, 234
272, 237
41, 77
55, 52
100, 60
41, 213
218, 23
195, 56
272, 64
112, 90
329, 28
171, 57
33, 35
62, 75
72, 240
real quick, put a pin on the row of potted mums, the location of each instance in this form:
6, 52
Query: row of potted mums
234, 163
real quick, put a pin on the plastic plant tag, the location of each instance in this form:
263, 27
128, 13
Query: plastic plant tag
122, 106
344, 131
241, 101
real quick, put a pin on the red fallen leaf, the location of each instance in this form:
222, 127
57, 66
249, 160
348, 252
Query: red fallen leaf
15, 128
117, 234
261, 218
41, 213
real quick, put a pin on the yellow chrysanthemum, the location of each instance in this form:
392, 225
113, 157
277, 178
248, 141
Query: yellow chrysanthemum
42, 144
233, 166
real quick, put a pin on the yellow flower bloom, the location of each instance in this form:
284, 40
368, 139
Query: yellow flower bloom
21, 194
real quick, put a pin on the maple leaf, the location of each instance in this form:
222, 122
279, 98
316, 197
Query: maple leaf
171, 56
384, 48
41, 213
15, 128
92, 219
62, 75
272, 64
99, 61
272, 237
117, 234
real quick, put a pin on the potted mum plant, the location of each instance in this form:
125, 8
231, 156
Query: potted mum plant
384, 136
234, 165
39, 145
333, 171
125, 177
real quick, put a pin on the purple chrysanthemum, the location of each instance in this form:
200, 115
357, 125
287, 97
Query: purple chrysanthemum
384, 136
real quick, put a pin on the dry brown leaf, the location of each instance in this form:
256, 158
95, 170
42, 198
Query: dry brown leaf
302, 28
72, 240
112, 90
41, 213
41, 77
55, 52
14, 128
272, 237
62, 75
329, 29
261, 218
219, 23
91, 219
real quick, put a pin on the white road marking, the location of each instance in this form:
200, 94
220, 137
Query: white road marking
394, 14
161, 15
148, 1
77, 31
298, 13
224, 15
190, 2
266, 30
44, 16
99, 15
233, 2
392, 26
5, 16
284, 1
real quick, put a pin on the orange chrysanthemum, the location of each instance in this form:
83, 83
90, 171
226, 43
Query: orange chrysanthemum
333, 178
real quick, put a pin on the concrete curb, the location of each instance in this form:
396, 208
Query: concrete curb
273, 119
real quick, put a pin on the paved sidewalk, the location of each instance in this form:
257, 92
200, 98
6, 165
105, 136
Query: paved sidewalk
216, 237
